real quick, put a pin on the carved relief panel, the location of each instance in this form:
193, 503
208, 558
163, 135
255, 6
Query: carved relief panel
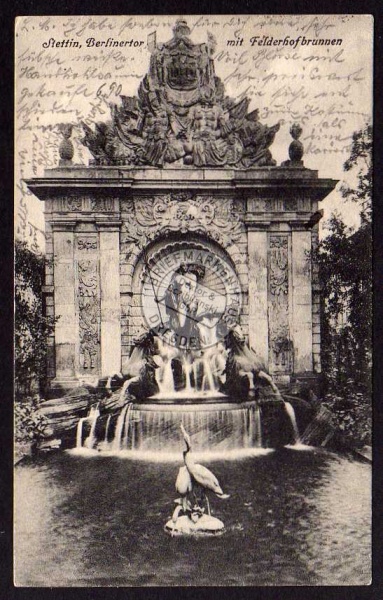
88, 302
261, 205
75, 203
280, 355
219, 218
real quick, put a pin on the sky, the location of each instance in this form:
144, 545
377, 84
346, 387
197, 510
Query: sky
277, 61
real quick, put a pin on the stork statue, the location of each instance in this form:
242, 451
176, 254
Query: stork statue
197, 474
192, 483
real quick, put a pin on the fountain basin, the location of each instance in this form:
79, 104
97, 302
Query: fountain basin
192, 403
188, 397
216, 424
213, 426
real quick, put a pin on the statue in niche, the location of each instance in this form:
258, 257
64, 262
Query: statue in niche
181, 115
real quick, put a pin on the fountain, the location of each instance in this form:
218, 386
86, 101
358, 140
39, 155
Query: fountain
212, 391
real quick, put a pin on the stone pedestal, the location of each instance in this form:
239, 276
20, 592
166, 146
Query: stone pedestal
205, 526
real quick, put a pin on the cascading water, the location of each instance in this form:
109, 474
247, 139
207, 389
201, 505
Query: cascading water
189, 391
214, 427
291, 414
92, 417
121, 424
197, 374
79, 432
124, 443
257, 426
107, 429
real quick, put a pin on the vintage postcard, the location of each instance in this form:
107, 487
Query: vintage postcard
193, 300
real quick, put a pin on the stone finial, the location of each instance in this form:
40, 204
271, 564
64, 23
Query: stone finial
296, 131
296, 149
66, 149
181, 29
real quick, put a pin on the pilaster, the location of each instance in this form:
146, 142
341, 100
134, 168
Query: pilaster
258, 307
302, 300
64, 301
109, 240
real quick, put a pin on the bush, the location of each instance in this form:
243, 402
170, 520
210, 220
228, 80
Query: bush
29, 425
32, 328
352, 413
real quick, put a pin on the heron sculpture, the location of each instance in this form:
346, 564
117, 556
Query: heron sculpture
193, 478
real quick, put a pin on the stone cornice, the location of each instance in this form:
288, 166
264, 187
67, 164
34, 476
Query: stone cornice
108, 225
257, 225
63, 225
277, 181
300, 224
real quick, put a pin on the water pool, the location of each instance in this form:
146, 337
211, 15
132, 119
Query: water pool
294, 517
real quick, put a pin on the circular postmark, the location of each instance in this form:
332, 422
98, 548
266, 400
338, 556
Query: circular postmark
191, 297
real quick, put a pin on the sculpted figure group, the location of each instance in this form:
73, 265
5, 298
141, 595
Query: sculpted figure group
181, 116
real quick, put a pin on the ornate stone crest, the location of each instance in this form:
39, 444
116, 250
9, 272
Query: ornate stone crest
211, 216
181, 115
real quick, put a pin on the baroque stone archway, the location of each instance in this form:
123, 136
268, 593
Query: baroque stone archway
181, 161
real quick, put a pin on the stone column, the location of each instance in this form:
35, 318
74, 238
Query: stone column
109, 239
64, 298
258, 320
302, 301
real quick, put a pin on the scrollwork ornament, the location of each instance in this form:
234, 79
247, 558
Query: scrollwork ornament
207, 215
89, 314
280, 346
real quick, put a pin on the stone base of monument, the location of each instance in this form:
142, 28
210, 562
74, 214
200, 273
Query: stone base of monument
206, 525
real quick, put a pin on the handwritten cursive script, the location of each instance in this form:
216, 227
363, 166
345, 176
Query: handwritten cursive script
71, 69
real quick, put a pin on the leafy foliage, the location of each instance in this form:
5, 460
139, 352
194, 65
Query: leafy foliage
360, 161
352, 412
346, 276
345, 267
31, 326
30, 426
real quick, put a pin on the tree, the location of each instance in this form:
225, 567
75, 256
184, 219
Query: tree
31, 326
360, 161
345, 267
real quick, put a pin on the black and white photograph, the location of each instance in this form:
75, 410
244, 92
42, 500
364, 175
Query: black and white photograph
193, 300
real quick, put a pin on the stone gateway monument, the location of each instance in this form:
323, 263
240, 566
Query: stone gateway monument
182, 184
